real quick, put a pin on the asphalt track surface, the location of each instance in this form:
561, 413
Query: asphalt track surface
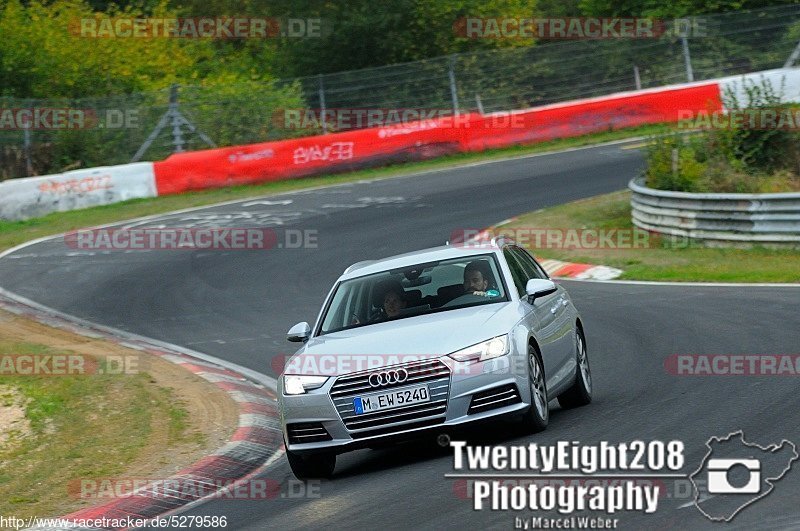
237, 305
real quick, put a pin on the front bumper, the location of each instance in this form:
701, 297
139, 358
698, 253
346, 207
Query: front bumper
324, 420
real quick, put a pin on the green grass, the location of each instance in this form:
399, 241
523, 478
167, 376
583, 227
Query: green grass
660, 259
81, 427
13, 233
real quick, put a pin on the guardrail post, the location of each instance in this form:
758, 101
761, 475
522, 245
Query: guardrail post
479, 103
636, 79
674, 162
322, 104
451, 73
177, 136
687, 59
26, 150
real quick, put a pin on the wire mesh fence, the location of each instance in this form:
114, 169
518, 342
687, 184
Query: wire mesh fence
150, 126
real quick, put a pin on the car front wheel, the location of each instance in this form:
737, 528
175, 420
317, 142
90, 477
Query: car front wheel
580, 393
538, 415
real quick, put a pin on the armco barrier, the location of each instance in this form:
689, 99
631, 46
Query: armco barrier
36, 196
750, 218
288, 159
787, 79
575, 118
312, 155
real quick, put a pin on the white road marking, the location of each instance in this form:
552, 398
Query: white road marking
504, 222
688, 284
344, 205
328, 188
268, 202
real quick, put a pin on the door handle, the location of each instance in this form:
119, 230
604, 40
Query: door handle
560, 301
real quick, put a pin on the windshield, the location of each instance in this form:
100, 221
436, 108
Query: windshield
415, 290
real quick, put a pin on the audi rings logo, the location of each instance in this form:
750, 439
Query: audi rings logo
393, 376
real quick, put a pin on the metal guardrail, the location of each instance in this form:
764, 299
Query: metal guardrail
732, 218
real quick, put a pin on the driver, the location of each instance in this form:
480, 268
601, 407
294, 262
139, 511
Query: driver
394, 301
391, 297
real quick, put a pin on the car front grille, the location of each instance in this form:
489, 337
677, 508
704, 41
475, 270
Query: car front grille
307, 432
432, 373
505, 395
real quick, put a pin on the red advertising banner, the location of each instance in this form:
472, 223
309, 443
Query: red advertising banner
424, 139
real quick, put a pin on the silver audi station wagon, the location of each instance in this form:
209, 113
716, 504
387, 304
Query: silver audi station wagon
430, 341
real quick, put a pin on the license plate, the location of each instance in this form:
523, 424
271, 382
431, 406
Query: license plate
390, 399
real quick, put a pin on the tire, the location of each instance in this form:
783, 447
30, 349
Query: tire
538, 415
314, 466
580, 394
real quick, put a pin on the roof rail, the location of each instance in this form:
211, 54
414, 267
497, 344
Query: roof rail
502, 240
358, 265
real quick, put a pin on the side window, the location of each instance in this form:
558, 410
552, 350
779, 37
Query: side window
517, 273
529, 265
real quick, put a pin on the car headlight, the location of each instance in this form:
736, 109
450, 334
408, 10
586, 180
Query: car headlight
493, 348
294, 384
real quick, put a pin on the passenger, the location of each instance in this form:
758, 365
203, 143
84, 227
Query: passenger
478, 279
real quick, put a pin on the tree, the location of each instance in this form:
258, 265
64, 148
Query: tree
359, 34
671, 9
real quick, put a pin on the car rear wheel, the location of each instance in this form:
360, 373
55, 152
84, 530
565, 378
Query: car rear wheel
580, 393
314, 466
538, 415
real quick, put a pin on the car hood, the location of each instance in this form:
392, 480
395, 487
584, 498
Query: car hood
420, 337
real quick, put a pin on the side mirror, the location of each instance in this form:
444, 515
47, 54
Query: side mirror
539, 287
299, 333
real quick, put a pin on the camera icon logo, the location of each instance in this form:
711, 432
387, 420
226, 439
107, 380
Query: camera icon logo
735, 474
718, 476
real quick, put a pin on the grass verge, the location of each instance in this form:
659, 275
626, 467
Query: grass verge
13, 233
59, 430
654, 258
